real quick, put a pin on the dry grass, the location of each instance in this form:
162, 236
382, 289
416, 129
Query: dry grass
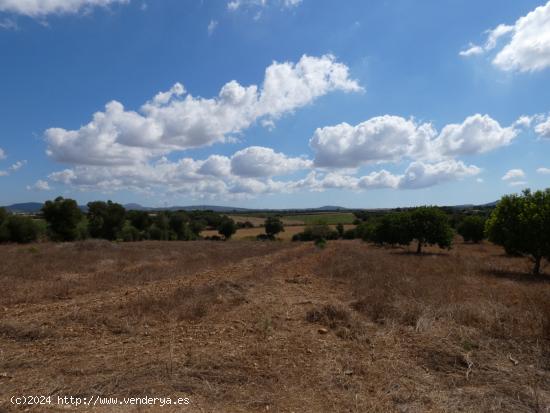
241, 327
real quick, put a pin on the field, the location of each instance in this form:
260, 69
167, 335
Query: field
331, 218
250, 233
275, 326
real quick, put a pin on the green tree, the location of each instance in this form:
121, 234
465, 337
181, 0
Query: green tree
105, 219
273, 226
521, 224
227, 228
63, 217
392, 229
139, 219
3, 215
430, 226
472, 229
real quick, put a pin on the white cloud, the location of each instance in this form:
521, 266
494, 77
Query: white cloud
477, 134
393, 138
2, 154
234, 5
39, 185
472, 50
513, 174
543, 128
519, 183
12, 168
174, 121
42, 8
212, 27
543, 171
256, 161
528, 48
423, 175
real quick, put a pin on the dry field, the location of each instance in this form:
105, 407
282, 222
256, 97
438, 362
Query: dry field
280, 327
251, 233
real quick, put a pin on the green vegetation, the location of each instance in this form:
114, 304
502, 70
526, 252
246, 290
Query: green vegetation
273, 226
227, 228
521, 224
63, 217
323, 218
472, 229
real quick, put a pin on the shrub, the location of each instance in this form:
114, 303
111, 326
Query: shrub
129, 233
521, 224
472, 229
19, 229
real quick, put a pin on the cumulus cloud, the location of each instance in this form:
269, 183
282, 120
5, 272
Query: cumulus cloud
513, 174
543, 171
393, 138
42, 8
174, 121
528, 46
39, 185
257, 161
423, 175
477, 134
2, 154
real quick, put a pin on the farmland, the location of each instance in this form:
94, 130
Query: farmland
276, 326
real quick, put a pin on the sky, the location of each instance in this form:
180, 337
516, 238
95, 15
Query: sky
274, 103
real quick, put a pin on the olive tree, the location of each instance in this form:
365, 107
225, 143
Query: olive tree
521, 224
227, 228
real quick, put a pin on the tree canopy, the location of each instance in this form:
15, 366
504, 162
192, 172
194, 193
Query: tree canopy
521, 224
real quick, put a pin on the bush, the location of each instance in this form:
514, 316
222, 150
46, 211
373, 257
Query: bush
316, 232
18, 229
472, 229
129, 233
521, 224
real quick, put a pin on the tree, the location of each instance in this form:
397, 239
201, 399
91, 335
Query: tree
139, 219
3, 215
227, 228
429, 225
472, 229
105, 219
63, 217
393, 229
340, 230
273, 226
521, 224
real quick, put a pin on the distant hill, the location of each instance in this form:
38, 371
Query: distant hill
25, 208
35, 207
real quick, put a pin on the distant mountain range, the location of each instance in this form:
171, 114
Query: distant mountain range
34, 207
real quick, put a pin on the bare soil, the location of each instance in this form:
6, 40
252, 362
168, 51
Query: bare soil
269, 326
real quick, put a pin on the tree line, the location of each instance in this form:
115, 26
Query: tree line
519, 223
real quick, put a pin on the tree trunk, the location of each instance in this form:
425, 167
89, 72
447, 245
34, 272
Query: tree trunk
536, 269
419, 247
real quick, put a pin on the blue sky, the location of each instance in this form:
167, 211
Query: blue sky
274, 103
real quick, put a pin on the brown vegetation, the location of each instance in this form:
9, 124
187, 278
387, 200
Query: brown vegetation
249, 326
